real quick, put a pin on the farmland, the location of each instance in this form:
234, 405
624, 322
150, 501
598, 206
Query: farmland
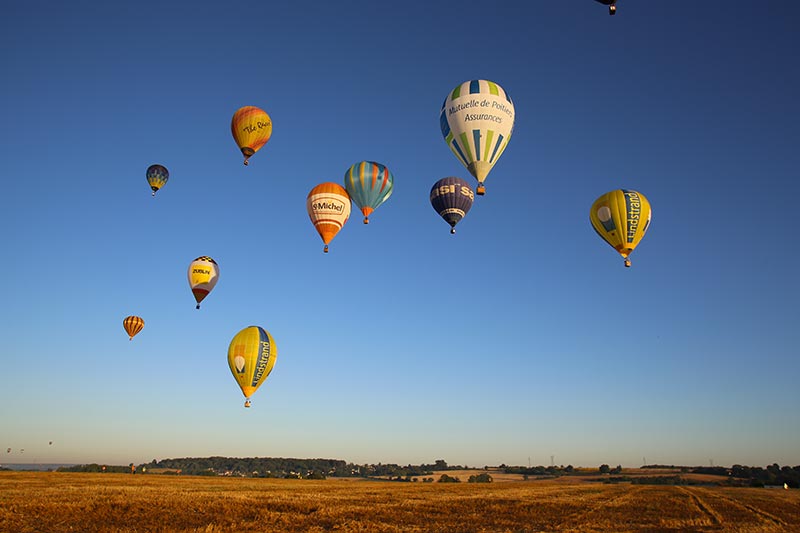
57, 502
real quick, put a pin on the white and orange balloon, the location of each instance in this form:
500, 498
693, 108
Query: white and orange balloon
328, 206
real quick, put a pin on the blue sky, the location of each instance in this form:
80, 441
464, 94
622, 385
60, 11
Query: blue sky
522, 336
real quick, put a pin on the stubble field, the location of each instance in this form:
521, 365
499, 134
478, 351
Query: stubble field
57, 502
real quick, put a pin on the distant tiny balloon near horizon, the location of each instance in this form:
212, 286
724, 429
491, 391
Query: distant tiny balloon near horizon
133, 325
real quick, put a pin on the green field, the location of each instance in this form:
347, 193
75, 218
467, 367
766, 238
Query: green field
55, 502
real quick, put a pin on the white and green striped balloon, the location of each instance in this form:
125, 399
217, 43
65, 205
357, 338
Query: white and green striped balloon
477, 120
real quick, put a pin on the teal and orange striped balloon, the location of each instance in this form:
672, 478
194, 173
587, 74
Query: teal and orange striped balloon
369, 184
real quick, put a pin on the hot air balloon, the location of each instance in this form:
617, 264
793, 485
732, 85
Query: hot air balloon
621, 218
251, 356
452, 198
203, 275
328, 206
369, 184
612, 6
477, 120
157, 177
251, 128
133, 325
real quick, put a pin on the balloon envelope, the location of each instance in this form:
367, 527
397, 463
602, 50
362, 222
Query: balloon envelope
369, 184
452, 198
621, 217
251, 128
203, 276
477, 120
157, 176
132, 325
251, 356
328, 206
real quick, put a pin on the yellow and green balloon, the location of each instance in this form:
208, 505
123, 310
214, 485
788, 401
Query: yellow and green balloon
251, 356
621, 218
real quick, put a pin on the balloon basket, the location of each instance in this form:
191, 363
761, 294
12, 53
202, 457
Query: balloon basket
481, 190
247, 152
627, 263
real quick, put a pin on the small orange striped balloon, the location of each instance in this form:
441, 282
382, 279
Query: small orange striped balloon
328, 206
133, 325
251, 128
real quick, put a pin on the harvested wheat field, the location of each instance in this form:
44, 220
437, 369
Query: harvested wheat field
55, 502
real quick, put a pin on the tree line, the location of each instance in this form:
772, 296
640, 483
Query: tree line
274, 467
755, 476
277, 467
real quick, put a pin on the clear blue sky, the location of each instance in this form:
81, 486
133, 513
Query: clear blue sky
521, 336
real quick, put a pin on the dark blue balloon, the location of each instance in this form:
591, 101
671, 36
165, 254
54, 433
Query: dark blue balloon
452, 198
